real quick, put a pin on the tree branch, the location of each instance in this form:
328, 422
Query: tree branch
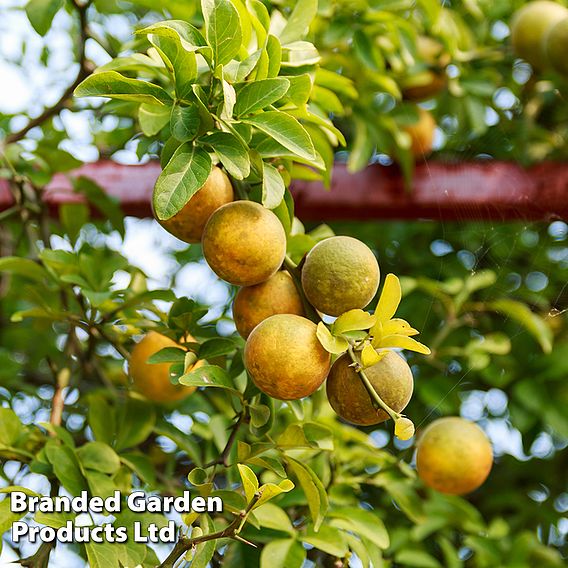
84, 71
230, 531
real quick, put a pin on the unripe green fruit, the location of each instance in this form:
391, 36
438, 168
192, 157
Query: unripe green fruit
529, 27
340, 274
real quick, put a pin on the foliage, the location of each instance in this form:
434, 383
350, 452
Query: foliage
271, 92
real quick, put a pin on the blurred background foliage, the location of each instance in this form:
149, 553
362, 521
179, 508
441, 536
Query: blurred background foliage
490, 299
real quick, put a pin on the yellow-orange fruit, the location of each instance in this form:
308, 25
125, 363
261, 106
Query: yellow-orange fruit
391, 378
253, 304
153, 379
244, 243
529, 27
340, 274
188, 223
285, 358
422, 134
453, 456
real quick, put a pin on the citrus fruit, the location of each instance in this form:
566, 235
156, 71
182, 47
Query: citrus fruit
285, 358
340, 274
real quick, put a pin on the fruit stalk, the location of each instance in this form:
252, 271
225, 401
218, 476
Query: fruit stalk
294, 272
372, 392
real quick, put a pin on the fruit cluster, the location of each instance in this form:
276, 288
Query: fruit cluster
280, 311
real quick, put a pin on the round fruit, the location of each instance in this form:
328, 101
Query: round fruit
188, 223
285, 358
244, 243
556, 46
421, 134
529, 27
391, 377
453, 456
253, 304
340, 274
153, 379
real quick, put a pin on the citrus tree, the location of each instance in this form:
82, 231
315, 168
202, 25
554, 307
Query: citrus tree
110, 382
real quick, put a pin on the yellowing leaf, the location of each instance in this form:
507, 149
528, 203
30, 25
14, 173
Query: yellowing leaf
397, 326
250, 482
404, 342
270, 490
353, 320
404, 428
370, 357
330, 343
390, 298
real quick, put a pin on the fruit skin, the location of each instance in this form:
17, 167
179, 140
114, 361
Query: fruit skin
153, 380
529, 27
422, 134
253, 304
391, 377
188, 223
454, 456
340, 274
244, 243
285, 358
556, 46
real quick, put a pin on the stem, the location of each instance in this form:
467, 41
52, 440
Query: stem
296, 274
230, 531
370, 389
223, 459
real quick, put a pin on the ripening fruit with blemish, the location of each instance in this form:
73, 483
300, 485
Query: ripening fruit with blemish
153, 379
453, 456
340, 274
556, 46
253, 304
188, 223
391, 378
285, 358
244, 243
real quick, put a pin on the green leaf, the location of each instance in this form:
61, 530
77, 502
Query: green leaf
260, 94
168, 355
7, 518
314, 491
329, 342
273, 517
184, 175
521, 313
99, 457
249, 481
273, 187
23, 267
152, 118
270, 490
229, 100
101, 418
329, 539
181, 64
136, 422
102, 555
416, 559
107, 205
363, 523
216, 347
54, 520
65, 467
10, 426
73, 216
299, 21
286, 130
284, 553
184, 122
223, 29
300, 88
299, 53
353, 320
116, 86
232, 153
209, 376
41, 13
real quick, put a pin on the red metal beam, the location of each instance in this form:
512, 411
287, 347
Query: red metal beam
469, 191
